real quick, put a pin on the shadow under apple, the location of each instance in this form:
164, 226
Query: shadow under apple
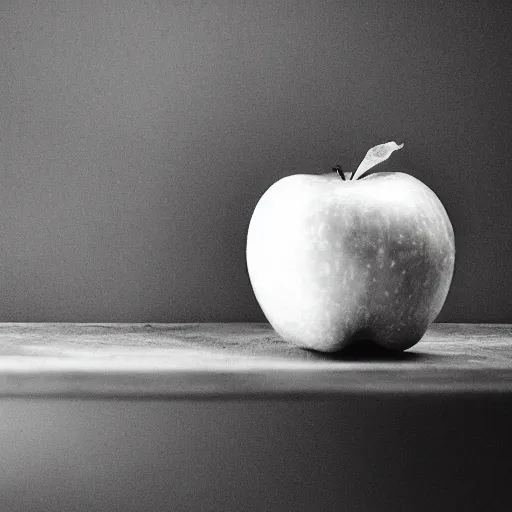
366, 350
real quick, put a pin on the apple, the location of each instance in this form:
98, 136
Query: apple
334, 260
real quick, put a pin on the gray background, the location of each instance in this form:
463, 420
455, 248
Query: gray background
136, 138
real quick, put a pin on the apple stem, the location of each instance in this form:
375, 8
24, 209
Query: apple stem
339, 170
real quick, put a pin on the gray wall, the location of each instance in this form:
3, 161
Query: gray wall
137, 136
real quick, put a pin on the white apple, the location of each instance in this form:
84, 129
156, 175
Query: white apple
333, 261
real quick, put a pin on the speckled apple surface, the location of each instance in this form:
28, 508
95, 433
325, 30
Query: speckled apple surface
333, 261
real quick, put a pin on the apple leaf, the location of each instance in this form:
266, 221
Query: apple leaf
375, 156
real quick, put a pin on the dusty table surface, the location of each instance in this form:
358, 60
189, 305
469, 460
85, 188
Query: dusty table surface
240, 359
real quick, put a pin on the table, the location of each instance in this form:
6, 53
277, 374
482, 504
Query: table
230, 417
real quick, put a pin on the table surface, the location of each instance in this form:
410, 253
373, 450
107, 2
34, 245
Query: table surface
240, 359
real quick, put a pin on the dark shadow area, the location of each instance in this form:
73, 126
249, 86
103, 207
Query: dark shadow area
367, 350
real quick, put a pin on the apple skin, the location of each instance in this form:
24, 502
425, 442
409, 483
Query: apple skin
332, 262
